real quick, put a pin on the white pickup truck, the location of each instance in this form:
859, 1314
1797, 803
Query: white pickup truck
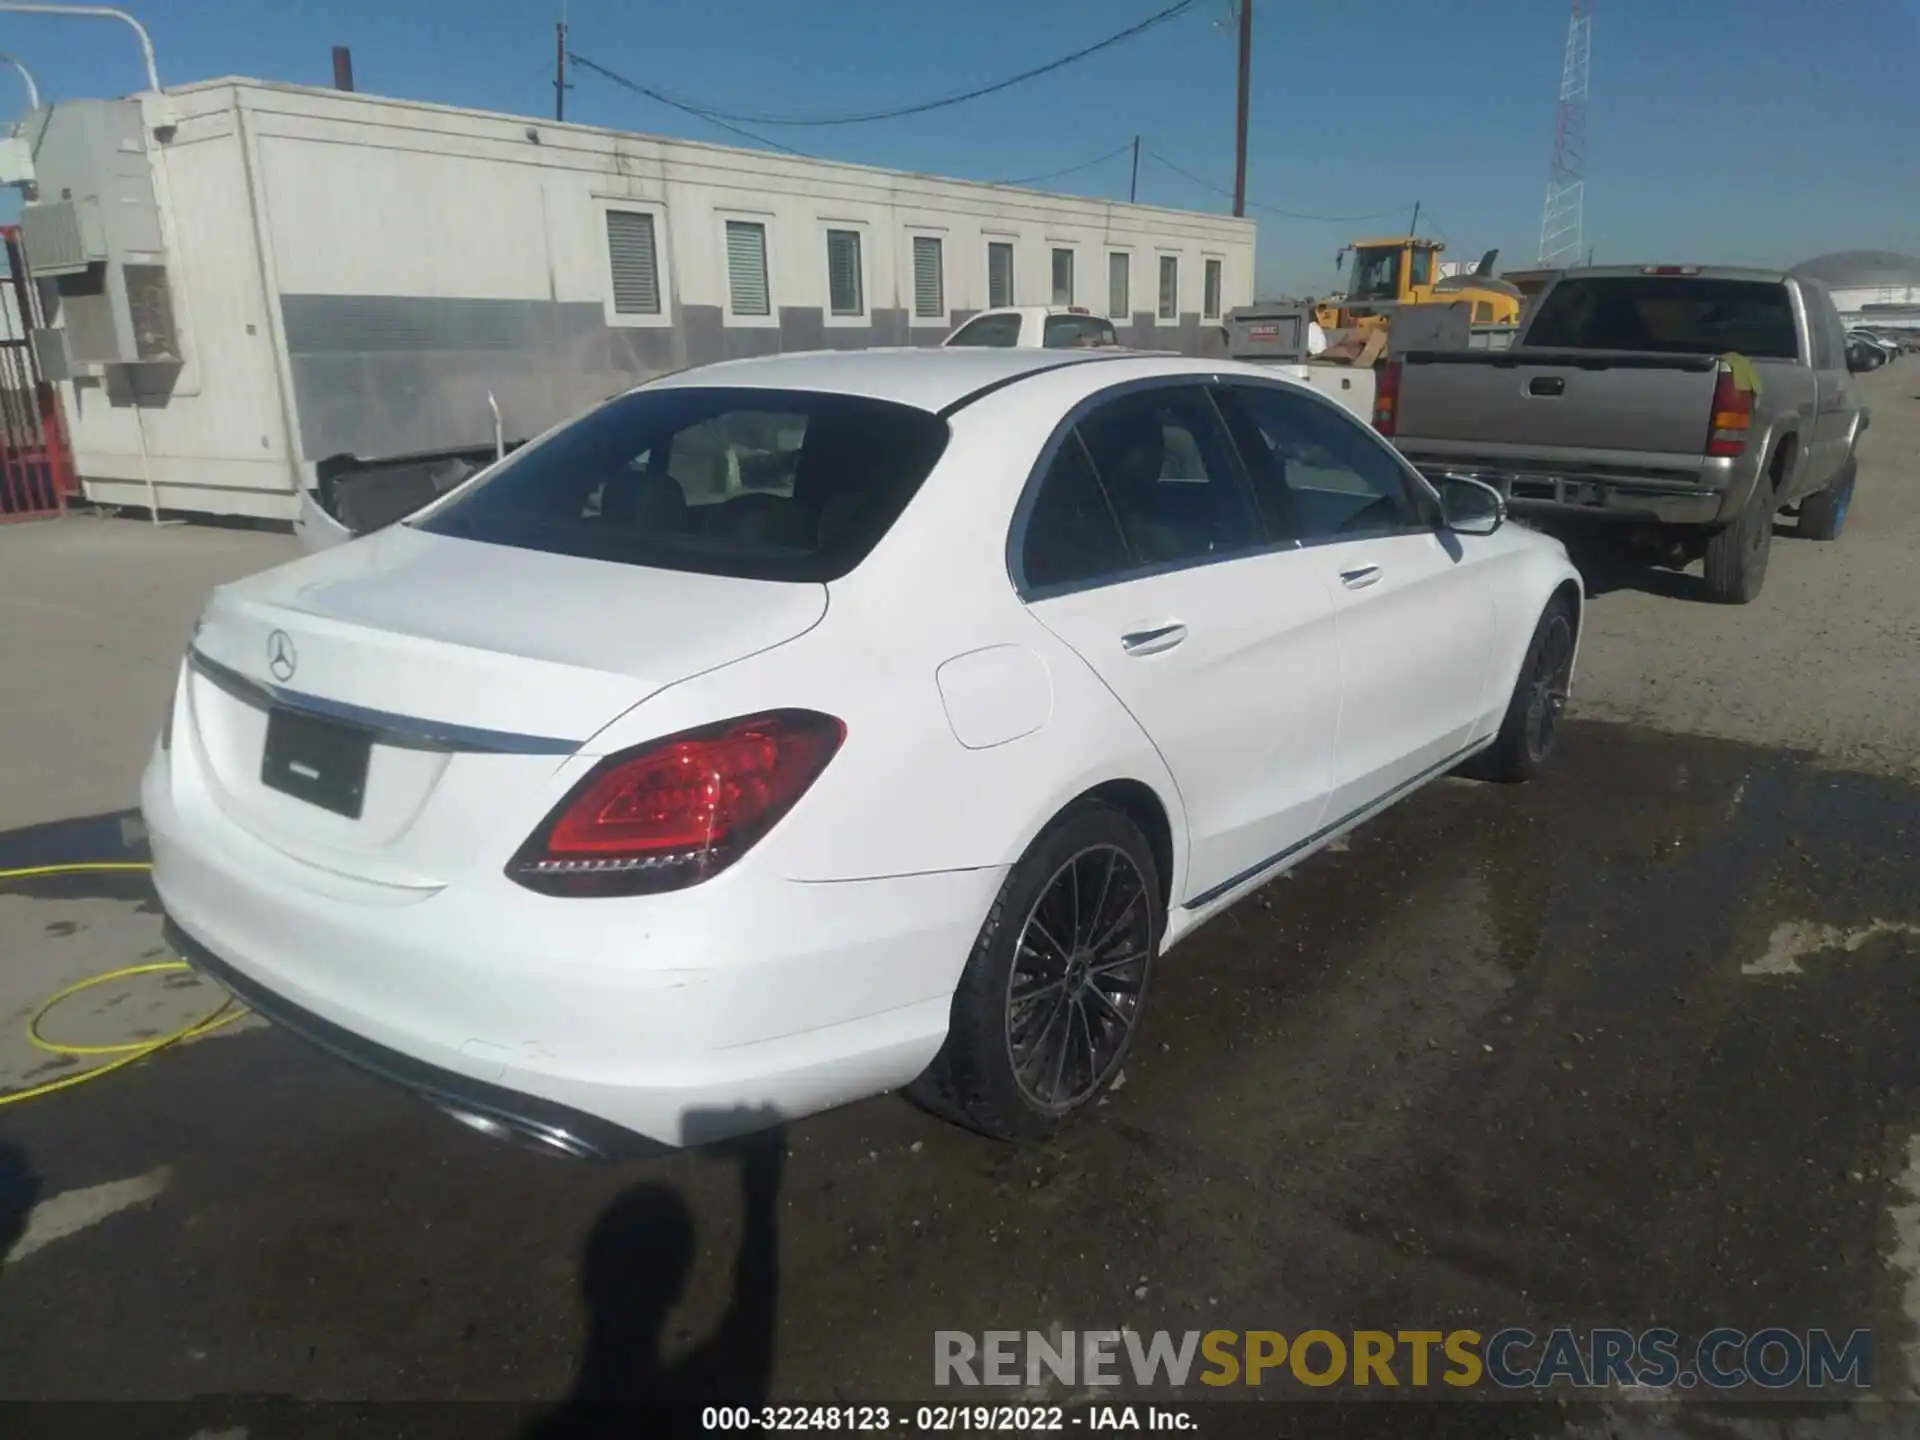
1036, 327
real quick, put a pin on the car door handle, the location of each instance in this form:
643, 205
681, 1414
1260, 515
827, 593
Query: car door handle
1152, 642
1359, 579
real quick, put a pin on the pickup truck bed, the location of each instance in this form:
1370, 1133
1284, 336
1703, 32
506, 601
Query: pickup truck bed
1617, 433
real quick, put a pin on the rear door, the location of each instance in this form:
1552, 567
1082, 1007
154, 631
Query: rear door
1415, 622
1141, 548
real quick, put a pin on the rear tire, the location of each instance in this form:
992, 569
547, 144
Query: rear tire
1737, 555
1045, 1011
1531, 725
1824, 516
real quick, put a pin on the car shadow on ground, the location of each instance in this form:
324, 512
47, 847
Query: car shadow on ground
19, 1193
634, 1267
1608, 563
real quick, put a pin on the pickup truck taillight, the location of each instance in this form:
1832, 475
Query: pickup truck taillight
1386, 397
1732, 416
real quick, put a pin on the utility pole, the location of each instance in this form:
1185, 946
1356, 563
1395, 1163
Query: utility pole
1133, 185
1414, 229
560, 68
1240, 124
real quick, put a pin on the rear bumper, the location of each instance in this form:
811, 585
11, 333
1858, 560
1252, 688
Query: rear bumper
621, 1025
557, 1127
1594, 496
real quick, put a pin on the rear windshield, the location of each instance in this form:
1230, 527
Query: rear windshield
1671, 315
1070, 332
760, 484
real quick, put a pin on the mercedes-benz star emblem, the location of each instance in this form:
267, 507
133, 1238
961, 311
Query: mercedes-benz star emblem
281, 656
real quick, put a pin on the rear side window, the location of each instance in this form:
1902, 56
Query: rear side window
999, 331
1169, 471
1669, 315
760, 484
1069, 332
1072, 536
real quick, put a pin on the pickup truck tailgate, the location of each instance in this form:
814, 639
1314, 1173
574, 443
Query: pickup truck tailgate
1567, 400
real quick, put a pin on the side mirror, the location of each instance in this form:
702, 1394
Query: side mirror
1469, 506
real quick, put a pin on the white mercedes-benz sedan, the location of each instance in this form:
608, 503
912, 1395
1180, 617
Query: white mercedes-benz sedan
795, 729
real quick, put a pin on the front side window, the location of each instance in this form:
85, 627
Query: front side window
1168, 470
1169, 287
929, 279
1317, 473
1119, 276
844, 281
757, 484
634, 262
747, 268
1063, 277
1420, 266
999, 273
998, 331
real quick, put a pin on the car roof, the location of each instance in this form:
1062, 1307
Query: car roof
927, 378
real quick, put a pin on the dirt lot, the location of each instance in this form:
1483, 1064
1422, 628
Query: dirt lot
1637, 1045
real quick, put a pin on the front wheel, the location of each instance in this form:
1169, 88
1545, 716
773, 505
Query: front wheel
1824, 516
1045, 1011
1531, 727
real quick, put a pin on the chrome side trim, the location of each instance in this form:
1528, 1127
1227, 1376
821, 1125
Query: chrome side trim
1372, 807
406, 731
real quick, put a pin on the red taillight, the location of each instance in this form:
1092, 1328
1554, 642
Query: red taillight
1386, 397
1732, 416
676, 811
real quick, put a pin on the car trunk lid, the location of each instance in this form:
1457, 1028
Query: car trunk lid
378, 708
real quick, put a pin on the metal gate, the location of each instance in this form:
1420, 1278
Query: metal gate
36, 464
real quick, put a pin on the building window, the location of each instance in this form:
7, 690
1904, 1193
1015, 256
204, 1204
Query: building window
1063, 277
1169, 287
929, 280
747, 268
1210, 296
634, 261
844, 293
1119, 276
999, 273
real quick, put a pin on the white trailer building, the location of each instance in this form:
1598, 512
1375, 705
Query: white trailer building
325, 273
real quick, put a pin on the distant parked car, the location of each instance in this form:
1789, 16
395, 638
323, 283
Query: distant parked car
1863, 354
788, 730
1889, 346
1036, 327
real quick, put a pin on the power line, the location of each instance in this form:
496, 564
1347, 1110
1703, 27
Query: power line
634, 85
716, 114
1068, 170
1270, 209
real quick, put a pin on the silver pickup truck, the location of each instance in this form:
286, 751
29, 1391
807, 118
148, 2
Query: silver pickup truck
1625, 399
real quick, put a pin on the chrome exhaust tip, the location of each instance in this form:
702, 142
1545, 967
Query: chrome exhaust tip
524, 1133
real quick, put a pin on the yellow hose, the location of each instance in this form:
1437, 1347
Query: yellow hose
124, 1054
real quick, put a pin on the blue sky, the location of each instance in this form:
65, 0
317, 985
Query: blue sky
1757, 131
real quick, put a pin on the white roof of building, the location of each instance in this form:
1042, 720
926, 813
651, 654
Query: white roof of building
1861, 269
